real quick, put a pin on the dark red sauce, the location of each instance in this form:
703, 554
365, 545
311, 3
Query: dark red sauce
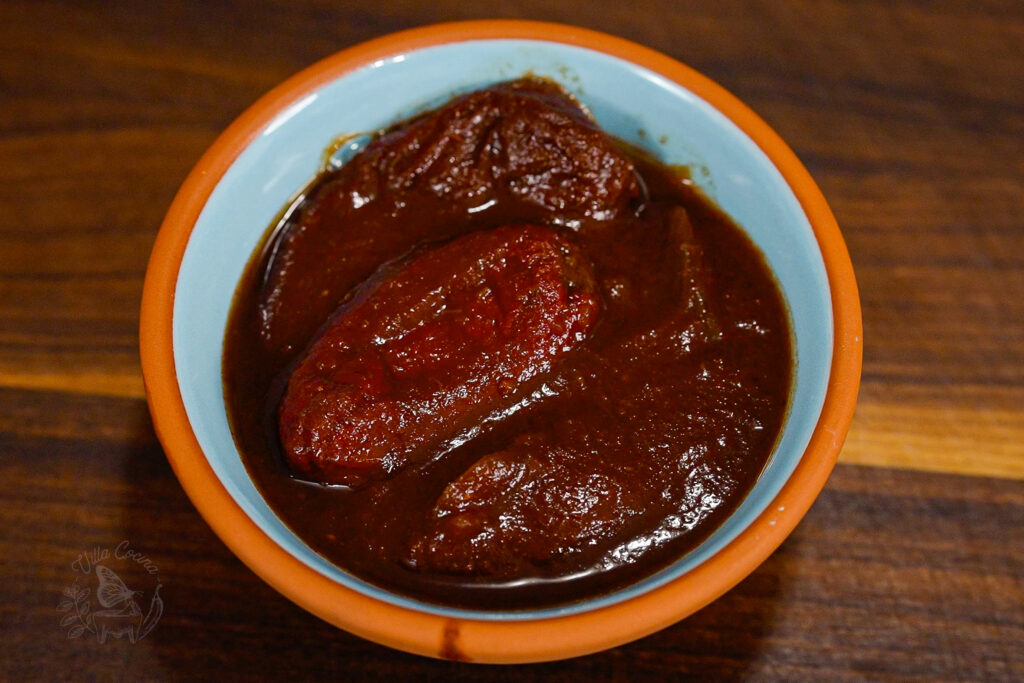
498, 360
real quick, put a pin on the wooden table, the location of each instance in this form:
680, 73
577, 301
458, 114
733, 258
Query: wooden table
909, 115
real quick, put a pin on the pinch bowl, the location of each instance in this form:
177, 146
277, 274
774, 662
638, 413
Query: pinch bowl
641, 96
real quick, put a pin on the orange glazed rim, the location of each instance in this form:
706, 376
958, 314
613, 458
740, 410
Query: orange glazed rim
484, 640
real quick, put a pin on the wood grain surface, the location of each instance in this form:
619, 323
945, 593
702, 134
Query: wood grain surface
909, 115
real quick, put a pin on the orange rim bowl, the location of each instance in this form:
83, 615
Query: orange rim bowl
489, 640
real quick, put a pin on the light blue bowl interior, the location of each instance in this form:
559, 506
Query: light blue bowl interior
630, 102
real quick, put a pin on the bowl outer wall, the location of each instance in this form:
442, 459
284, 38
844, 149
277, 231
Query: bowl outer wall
485, 640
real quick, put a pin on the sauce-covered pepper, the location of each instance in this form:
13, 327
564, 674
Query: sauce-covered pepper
431, 347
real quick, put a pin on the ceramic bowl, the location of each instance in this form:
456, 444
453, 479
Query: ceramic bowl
641, 96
